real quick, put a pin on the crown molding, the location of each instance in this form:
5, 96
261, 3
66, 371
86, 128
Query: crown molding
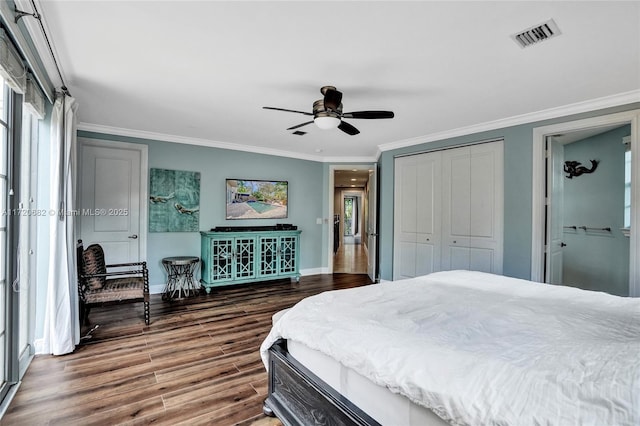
163, 137
348, 160
566, 110
142, 134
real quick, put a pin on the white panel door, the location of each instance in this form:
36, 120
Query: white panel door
555, 191
405, 219
110, 201
456, 208
372, 232
428, 200
417, 215
472, 208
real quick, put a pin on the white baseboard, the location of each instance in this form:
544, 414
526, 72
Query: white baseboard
314, 271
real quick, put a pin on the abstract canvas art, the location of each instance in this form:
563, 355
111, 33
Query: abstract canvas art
174, 201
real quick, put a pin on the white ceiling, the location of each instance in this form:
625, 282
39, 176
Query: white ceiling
200, 72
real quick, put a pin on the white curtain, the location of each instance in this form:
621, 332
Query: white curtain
61, 326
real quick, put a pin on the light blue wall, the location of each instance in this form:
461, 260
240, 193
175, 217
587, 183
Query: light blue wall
306, 196
596, 260
518, 144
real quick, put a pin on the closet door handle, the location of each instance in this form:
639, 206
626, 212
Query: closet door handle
562, 244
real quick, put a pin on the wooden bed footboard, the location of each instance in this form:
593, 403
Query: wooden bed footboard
299, 397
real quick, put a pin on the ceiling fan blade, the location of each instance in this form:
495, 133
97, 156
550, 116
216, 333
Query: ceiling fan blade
288, 110
332, 99
300, 125
348, 128
369, 114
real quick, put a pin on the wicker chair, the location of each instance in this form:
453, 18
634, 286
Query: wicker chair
97, 286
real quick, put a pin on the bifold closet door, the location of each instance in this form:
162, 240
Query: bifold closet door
417, 215
472, 207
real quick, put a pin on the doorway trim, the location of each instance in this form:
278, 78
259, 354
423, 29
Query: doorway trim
332, 190
539, 202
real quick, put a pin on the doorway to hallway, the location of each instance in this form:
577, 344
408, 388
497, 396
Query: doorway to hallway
351, 256
354, 233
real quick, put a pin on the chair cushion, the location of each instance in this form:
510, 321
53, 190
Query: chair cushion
117, 289
94, 264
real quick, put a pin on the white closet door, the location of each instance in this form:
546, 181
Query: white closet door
417, 215
472, 208
405, 225
555, 216
456, 208
428, 200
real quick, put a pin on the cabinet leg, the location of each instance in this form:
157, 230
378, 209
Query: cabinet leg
266, 410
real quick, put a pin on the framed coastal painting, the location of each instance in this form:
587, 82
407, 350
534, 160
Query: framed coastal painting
174, 201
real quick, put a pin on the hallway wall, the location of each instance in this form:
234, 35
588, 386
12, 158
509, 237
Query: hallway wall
592, 259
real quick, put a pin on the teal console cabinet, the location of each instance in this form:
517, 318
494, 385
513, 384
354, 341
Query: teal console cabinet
249, 256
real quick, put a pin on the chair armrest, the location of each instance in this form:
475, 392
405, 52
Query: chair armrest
119, 265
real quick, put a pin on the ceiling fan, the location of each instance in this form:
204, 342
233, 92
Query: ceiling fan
327, 113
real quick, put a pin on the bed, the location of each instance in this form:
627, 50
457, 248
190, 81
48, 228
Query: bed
456, 347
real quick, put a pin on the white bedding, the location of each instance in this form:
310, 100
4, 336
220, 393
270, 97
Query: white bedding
485, 349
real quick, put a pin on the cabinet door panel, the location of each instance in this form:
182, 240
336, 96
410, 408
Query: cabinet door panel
268, 256
221, 259
288, 258
245, 266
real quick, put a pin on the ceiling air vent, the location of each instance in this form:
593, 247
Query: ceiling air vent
537, 34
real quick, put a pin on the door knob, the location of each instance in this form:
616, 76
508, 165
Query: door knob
133, 237
562, 244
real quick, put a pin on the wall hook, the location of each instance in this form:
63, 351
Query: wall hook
575, 168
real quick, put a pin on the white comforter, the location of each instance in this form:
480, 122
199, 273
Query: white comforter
483, 349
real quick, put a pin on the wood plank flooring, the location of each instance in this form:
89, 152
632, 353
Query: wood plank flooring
350, 258
197, 363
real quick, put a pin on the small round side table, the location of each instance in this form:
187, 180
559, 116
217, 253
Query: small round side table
180, 281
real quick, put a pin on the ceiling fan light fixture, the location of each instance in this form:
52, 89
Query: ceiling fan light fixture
327, 113
327, 122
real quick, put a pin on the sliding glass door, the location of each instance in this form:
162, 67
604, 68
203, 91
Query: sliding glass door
5, 293
16, 219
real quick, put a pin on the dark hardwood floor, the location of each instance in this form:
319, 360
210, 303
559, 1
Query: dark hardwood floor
197, 363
